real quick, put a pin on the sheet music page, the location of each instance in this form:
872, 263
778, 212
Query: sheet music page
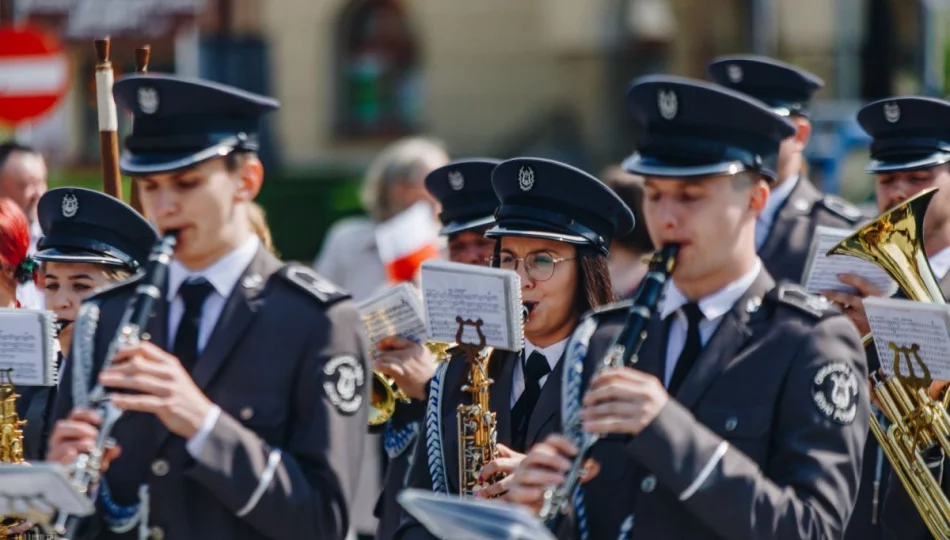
397, 311
451, 290
26, 346
916, 332
821, 270
449, 516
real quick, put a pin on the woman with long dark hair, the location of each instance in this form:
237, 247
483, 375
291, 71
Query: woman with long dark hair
553, 227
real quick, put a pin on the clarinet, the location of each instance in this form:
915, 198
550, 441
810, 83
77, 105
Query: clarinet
622, 353
86, 470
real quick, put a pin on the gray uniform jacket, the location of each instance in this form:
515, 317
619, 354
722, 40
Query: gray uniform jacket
764, 438
287, 364
785, 250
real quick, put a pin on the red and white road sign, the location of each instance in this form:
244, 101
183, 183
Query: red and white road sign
34, 74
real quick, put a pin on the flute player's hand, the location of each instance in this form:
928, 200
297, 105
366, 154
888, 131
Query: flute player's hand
76, 434
622, 400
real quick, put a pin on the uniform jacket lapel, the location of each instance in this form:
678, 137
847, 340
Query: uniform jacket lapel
452, 396
737, 326
793, 213
238, 312
500, 399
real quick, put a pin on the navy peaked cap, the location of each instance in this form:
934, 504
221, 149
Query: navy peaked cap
180, 122
784, 87
85, 226
541, 198
691, 128
464, 189
907, 133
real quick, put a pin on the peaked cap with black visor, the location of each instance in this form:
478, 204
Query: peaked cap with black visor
692, 129
181, 122
464, 190
787, 89
541, 198
907, 133
85, 226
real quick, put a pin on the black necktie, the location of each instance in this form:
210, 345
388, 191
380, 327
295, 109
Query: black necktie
193, 294
691, 349
534, 369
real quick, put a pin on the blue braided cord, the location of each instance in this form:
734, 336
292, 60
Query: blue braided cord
434, 452
625, 528
119, 518
572, 377
397, 441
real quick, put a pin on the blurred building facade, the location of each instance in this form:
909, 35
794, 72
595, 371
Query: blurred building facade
492, 77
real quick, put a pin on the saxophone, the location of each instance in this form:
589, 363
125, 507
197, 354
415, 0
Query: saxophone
476, 423
11, 441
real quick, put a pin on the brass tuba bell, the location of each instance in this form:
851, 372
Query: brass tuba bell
916, 421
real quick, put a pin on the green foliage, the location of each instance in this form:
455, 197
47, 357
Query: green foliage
300, 206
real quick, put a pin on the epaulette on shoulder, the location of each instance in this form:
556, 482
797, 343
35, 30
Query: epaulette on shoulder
313, 283
608, 309
842, 208
796, 296
112, 288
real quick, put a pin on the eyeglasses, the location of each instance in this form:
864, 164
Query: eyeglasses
539, 266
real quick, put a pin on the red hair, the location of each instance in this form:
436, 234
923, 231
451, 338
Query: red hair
14, 234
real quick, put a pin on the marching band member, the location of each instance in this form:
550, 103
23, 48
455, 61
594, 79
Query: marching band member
785, 227
909, 153
747, 412
464, 191
90, 240
554, 226
247, 409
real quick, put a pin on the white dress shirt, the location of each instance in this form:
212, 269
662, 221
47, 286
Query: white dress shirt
777, 198
940, 263
713, 307
552, 354
223, 275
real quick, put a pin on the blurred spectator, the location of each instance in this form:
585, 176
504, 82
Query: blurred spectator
23, 177
394, 182
627, 253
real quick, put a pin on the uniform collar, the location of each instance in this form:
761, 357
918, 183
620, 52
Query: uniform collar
716, 304
552, 353
223, 274
777, 199
940, 262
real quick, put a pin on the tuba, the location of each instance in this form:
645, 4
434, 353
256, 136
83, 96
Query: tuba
11, 441
916, 421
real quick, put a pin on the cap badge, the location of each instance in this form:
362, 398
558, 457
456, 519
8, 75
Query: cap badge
734, 73
148, 100
525, 178
456, 180
892, 112
70, 205
667, 101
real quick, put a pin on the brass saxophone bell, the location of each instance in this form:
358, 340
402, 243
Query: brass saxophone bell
383, 398
385, 394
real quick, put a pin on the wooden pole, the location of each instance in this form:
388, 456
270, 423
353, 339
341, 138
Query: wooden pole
141, 66
108, 121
